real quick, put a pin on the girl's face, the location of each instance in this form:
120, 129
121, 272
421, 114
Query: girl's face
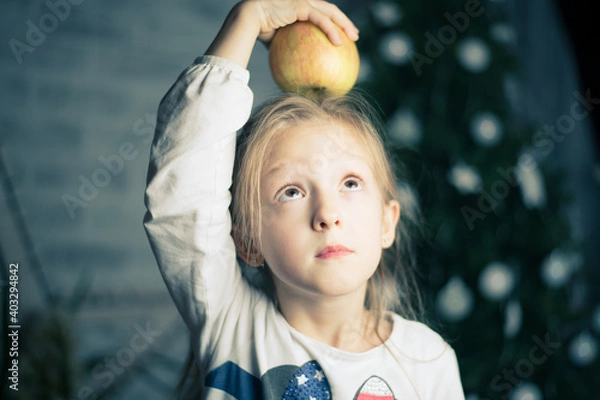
324, 221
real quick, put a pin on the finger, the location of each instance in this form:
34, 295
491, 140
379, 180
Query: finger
327, 26
338, 17
347, 26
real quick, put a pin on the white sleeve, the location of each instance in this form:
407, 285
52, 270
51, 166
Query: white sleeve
447, 383
187, 195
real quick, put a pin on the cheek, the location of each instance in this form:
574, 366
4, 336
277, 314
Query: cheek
279, 251
268, 218
276, 234
368, 214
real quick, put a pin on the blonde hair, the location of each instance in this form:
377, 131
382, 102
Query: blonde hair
393, 286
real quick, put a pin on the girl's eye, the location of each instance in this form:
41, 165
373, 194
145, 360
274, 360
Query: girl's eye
352, 184
290, 194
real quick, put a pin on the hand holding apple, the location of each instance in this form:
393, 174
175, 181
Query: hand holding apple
252, 20
303, 60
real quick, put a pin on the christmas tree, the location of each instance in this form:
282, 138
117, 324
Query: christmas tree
501, 270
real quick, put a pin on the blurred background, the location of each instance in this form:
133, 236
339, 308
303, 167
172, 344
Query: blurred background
490, 108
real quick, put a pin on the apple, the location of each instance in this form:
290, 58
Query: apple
303, 60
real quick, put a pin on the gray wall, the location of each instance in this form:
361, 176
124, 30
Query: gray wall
86, 92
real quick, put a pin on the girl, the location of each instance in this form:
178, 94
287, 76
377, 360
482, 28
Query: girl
313, 208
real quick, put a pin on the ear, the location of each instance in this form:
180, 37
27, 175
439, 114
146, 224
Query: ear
391, 215
251, 256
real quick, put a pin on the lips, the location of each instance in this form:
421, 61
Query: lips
335, 251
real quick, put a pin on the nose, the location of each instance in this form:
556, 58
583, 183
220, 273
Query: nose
326, 213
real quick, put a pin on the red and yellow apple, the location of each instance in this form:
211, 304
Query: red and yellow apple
303, 60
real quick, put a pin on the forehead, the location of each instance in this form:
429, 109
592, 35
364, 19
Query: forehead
314, 143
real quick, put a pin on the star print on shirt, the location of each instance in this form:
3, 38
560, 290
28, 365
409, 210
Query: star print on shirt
302, 379
308, 383
319, 375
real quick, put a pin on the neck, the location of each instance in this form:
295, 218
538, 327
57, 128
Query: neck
339, 322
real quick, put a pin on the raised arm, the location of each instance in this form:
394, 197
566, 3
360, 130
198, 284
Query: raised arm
189, 175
